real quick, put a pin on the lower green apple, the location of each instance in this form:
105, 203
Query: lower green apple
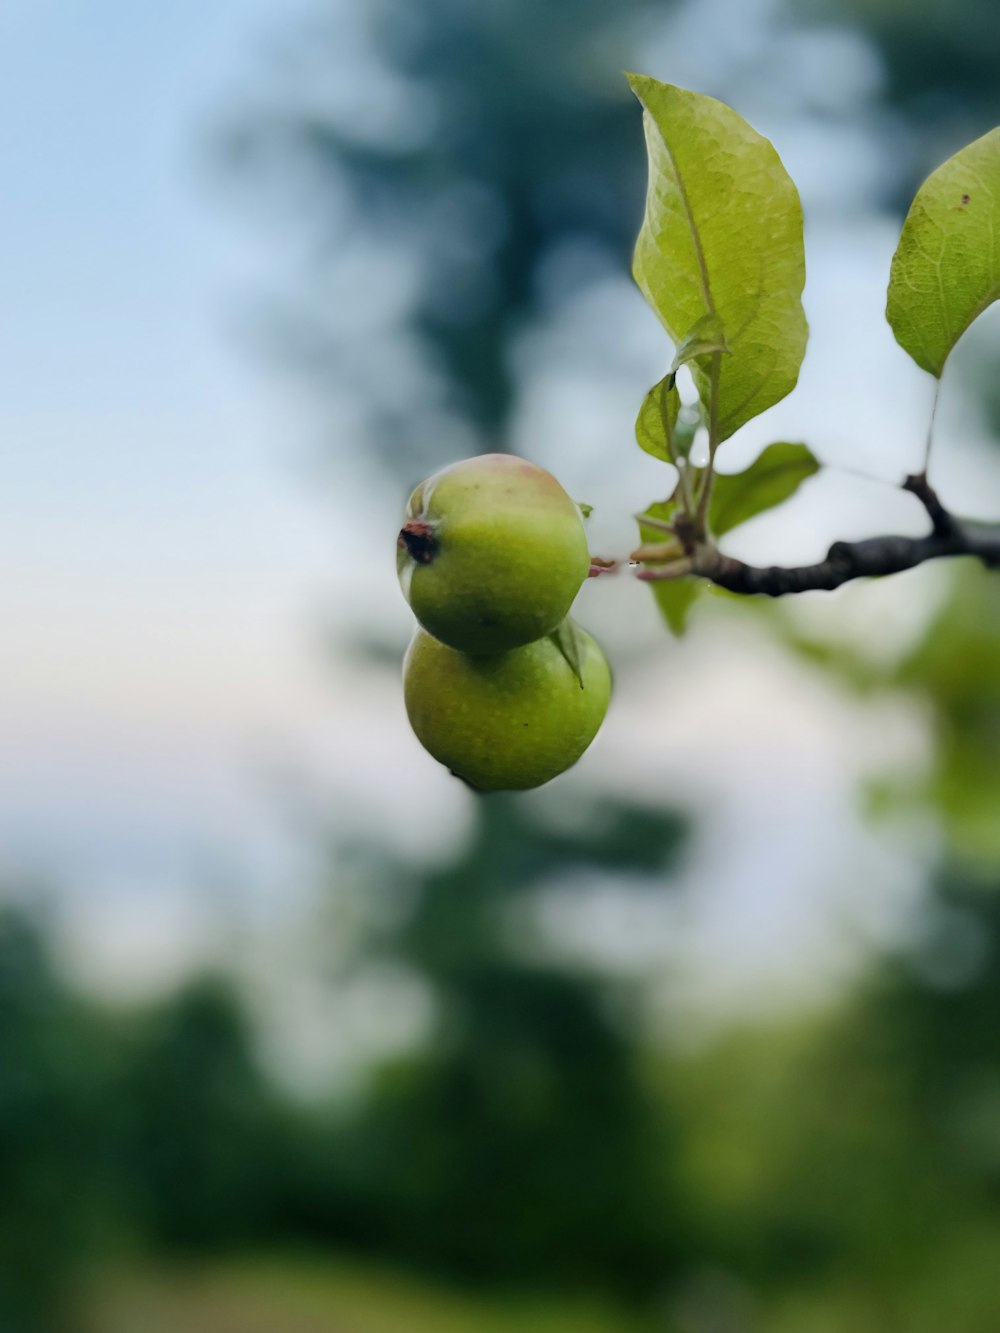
509, 721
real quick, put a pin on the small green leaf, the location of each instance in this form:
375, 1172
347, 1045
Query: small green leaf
654, 522
722, 237
654, 426
674, 597
946, 269
706, 337
585, 509
771, 479
569, 641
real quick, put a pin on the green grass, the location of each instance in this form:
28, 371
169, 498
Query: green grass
310, 1296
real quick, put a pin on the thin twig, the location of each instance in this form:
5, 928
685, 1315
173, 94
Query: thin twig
713, 441
930, 426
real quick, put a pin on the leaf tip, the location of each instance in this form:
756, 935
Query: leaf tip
640, 84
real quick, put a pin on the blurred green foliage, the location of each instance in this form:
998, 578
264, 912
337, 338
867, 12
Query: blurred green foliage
940, 63
194, 1125
835, 1173
951, 673
531, 1096
956, 666
494, 1153
297, 1295
53, 1076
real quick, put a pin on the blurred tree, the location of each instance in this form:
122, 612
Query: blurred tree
197, 1124
956, 667
952, 671
519, 1146
848, 1170
516, 1147
941, 64
513, 139
796, 1178
154, 1127
52, 1064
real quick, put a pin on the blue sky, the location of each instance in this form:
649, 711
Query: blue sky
157, 551
120, 382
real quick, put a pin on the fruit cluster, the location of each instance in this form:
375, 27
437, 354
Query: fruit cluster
500, 685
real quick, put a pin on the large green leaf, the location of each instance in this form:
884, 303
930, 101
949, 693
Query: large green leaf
946, 269
771, 479
674, 597
721, 242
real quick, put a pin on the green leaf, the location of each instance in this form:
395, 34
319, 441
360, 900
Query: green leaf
722, 237
585, 509
946, 269
674, 597
654, 521
706, 337
569, 641
771, 479
654, 426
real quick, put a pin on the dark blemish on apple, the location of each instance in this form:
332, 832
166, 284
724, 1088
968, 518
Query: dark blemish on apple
418, 540
965, 199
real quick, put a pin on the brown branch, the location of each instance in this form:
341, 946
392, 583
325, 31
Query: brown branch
871, 558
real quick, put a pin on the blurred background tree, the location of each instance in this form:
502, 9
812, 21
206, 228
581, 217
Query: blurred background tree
938, 70
51, 1063
502, 1150
497, 160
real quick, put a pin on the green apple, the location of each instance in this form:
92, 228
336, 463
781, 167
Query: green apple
491, 554
507, 721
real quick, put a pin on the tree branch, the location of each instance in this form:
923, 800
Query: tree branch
871, 558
